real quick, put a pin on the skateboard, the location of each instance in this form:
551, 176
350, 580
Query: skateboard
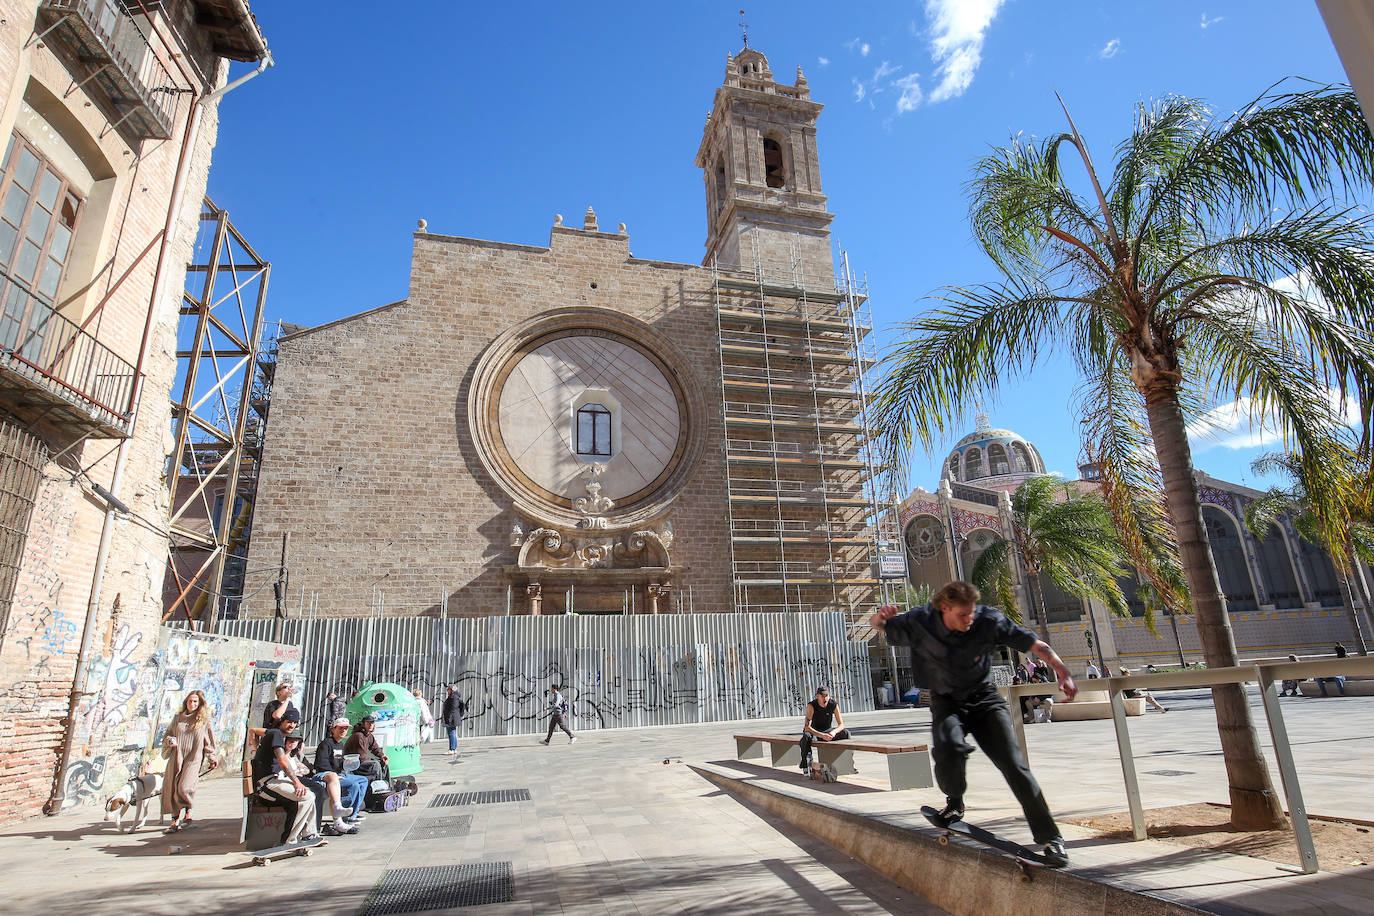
264, 856
1025, 858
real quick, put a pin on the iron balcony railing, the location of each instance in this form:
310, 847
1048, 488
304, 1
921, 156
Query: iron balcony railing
119, 61
85, 382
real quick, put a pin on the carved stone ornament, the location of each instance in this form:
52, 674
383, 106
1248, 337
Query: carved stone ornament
547, 548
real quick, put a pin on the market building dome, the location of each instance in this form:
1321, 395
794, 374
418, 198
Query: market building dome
997, 459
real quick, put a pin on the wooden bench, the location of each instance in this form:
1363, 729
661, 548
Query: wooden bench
908, 765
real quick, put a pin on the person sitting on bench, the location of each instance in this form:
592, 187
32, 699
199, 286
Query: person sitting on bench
325, 788
823, 723
273, 775
372, 761
329, 761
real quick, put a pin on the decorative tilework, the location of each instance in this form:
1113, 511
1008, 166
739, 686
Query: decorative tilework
1215, 497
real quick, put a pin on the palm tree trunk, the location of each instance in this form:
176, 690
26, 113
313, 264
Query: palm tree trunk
1347, 578
1254, 804
1038, 602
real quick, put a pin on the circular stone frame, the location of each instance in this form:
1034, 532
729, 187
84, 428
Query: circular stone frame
532, 500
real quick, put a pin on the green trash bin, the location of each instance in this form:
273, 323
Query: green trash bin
398, 723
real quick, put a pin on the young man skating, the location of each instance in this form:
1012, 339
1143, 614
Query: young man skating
952, 640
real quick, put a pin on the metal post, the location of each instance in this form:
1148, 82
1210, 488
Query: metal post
279, 590
1123, 750
1288, 771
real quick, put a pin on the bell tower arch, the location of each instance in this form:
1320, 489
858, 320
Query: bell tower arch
764, 204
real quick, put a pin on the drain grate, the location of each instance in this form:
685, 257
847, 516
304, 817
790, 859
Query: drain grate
491, 797
1168, 772
459, 825
406, 890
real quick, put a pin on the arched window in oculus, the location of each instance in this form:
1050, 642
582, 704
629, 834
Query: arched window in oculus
594, 431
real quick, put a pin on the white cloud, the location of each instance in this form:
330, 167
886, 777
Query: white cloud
1110, 49
956, 43
883, 72
1213, 21
823, 61
1236, 425
859, 90
911, 93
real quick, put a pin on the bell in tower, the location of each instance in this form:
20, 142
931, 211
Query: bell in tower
764, 205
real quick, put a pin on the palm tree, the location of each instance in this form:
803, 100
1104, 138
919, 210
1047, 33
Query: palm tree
1345, 532
1169, 290
1069, 538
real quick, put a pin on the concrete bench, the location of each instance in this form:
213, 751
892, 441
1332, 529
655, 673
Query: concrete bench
1093, 704
908, 765
1354, 687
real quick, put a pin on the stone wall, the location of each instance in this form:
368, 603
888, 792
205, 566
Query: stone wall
370, 435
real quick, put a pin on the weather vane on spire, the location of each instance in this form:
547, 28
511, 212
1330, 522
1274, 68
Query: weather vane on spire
744, 28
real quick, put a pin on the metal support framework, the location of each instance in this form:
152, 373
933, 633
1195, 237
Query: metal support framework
213, 467
795, 358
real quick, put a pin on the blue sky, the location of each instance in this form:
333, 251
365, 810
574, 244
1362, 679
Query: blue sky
486, 121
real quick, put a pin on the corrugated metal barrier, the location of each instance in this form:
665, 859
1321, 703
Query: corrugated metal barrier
619, 671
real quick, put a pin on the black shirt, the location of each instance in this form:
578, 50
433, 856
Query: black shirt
329, 756
949, 662
822, 716
271, 721
265, 760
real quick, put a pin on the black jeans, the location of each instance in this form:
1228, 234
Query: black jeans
985, 716
807, 738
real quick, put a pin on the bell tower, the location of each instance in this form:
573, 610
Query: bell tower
764, 204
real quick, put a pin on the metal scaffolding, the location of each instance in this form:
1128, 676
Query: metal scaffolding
218, 418
796, 356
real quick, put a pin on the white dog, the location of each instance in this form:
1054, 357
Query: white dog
136, 793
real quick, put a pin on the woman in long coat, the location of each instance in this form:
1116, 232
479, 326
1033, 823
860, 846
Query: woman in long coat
189, 742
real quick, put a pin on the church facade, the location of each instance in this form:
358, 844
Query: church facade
570, 429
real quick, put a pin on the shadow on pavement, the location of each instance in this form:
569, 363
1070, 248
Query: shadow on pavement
793, 777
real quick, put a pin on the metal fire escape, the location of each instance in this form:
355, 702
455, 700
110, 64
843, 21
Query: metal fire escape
218, 415
796, 357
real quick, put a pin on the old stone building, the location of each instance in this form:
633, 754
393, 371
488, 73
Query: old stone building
1283, 593
109, 113
569, 428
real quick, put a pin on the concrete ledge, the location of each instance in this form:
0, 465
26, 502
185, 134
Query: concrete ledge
963, 877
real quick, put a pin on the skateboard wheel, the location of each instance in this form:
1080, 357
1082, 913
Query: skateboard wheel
1023, 878
307, 852
943, 839
262, 862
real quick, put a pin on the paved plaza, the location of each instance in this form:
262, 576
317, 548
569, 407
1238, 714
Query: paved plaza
609, 827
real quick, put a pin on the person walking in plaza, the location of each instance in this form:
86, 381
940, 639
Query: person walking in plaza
558, 709
823, 723
189, 742
952, 640
453, 712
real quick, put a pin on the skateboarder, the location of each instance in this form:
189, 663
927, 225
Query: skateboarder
951, 641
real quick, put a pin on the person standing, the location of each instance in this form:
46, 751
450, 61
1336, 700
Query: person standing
335, 707
453, 712
426, 719
189, 742
276, 710
558, 708
952, 640
823, 723
1093, 670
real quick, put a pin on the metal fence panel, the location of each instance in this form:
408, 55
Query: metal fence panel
619, 672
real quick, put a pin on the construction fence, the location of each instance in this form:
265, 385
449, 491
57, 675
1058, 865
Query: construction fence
618, 672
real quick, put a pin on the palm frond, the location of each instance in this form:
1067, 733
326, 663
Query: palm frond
992, 575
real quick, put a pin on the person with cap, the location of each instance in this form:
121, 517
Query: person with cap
952, 640
273, 773
823, 723
453, 712
329, 760
324, 787
372, 760
272, 715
